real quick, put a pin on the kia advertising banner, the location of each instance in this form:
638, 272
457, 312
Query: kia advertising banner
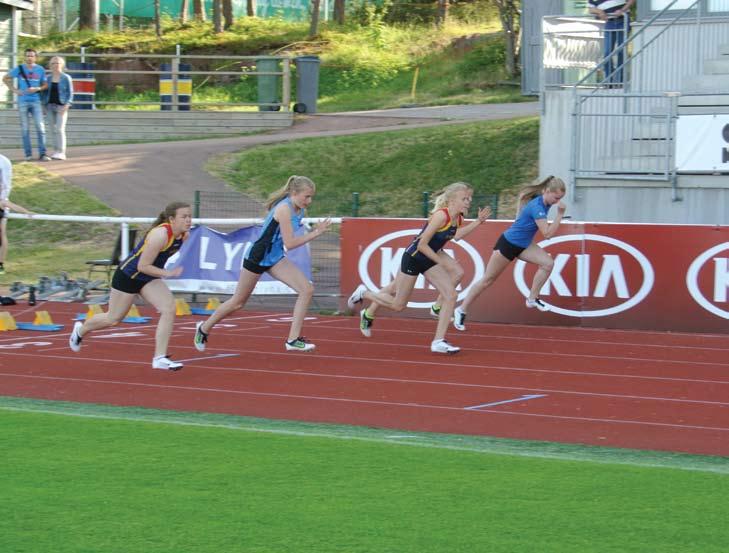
211, 262
653, 277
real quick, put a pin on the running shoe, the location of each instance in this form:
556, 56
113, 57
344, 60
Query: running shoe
166, 364
357, 296
459, 319
201, 338
300, 344
365, 323
74, 341
539, 304
435, 310
441, 346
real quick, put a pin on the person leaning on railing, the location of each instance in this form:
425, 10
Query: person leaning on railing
616, 15
56, 103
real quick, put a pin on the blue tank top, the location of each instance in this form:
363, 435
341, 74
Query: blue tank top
438, 240
268, 249
173, 245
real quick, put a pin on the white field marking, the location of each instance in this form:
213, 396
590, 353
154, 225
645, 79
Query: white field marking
604, 460
513, 400
458, 384
367, 402
522, 352
408, 362
22, 344
541, 339
518, 389
288, 319
209, 357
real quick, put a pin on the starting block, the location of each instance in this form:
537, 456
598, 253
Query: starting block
133, 317
7, 322
94, 309
182, 307
212, 305
42, 323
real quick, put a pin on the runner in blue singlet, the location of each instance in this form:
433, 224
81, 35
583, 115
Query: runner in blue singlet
534, 201
287, 207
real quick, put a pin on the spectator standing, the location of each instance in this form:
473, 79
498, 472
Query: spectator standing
31, 81
616, 15
57, 101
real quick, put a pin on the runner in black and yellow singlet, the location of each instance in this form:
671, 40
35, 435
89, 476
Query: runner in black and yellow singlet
142, 273
414, 262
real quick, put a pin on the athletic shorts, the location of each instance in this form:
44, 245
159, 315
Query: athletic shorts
2, 213
254, 267
413, 266
124, 283
507, 249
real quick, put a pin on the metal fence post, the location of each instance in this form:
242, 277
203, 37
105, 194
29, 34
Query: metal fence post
426, 201
175, 78
355, 204
196, 205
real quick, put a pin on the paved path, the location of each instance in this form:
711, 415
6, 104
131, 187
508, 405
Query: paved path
138, 179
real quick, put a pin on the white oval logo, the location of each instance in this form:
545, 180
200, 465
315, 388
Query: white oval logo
611, 274
692, 280
364, 261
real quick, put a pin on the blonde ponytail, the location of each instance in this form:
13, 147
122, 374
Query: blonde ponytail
531, 191
292, 186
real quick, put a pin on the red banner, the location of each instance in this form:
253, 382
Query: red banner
631, 276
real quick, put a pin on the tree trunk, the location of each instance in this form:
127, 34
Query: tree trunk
157, 22
198, 10
441, 14
88, 14
251, 8
509, 15
217, 16
228, 14
339, 6
314, 28
184, 7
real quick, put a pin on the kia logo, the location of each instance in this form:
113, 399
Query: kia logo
391, 254
719, 282
598, 276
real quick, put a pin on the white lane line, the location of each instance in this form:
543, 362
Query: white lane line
514, 400
373, 402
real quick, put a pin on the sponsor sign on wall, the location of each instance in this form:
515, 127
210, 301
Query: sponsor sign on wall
655, 277
702, 143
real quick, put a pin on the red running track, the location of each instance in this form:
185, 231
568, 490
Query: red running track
644, 390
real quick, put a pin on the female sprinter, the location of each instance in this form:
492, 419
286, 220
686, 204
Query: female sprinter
534, 203
142, 273
425, 256
287, 207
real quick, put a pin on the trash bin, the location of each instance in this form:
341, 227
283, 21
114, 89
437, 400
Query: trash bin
84, 84
307, 84
184, 88
268, 85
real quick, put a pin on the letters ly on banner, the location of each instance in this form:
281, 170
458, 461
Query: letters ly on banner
654, 277
212, 260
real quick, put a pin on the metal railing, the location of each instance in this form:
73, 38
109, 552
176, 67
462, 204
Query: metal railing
175, 74
622, 133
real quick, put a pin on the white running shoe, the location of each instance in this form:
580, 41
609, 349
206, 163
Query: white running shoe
300, 344
365, 323
357, 296
165, 363
74, 341
539, 304
441, 346
435, 310
459, 319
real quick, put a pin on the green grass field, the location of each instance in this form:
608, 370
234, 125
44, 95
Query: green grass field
86, 478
